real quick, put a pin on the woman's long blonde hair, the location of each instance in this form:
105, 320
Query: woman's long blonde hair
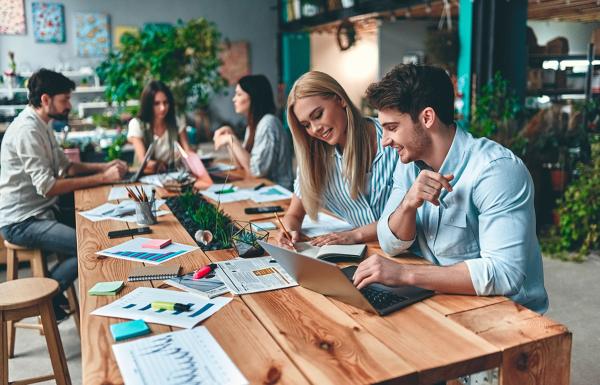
315, 156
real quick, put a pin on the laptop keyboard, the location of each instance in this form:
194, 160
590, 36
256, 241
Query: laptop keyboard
381, 299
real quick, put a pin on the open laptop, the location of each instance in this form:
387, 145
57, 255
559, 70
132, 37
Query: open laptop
328, 279
132, 177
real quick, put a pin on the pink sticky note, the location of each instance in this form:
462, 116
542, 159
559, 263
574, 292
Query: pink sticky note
156, 243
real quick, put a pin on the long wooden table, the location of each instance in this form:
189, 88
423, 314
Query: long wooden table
296, 336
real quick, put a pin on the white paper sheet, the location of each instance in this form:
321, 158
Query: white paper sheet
157, 179
185, 357
132, 250
137, 305
220, 167
269, 194
326, 224
121, 193
112, 211
228, 197
244, 276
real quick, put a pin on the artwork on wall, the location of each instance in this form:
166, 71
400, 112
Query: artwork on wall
48, 21
236, 60
12, 17
120, 30
92, 34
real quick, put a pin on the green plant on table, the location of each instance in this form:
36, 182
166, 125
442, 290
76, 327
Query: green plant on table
185, 56
115, 150
579, 212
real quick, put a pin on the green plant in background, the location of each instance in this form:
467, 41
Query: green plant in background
579, 212
184, 56
115, 149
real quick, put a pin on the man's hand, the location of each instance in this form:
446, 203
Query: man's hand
427, 187
342, 238
381, 270
119, 163
113, 173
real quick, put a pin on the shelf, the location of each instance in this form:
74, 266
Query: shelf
13, 107
78, 90
555, 91
82, 107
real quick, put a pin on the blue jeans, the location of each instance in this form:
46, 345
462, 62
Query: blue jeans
51, 236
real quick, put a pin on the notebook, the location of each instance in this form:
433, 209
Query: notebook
129, 329
332, 253
148, 273
209, 286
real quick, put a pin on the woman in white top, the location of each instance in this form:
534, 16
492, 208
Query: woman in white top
267, 148
342, 165
156, 122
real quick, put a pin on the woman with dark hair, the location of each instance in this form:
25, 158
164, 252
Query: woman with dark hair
267, 148
156, 122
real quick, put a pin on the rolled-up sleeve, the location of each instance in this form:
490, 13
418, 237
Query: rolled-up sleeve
263, 151
36, 165
387, 240
506, 228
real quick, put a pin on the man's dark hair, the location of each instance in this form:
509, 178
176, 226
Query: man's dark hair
411, 88
48, 82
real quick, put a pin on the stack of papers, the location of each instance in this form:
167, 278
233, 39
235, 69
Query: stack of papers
124, 211
158, 179
121, 193
106, 288
227, 193
133, 250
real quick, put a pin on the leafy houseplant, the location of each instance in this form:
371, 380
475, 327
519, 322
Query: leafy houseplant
184, 56
579, 211
115, 149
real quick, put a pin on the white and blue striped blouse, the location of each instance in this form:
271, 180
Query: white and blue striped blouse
367, 208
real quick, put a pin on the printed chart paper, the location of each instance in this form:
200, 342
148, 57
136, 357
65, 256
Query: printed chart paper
244, 276
132, 250
184, 357
138, 305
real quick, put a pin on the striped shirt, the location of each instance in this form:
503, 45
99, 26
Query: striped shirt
367, 208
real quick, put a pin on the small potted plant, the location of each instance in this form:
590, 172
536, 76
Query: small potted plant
71, 150
245, 240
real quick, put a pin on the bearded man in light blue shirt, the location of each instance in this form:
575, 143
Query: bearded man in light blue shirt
464, 204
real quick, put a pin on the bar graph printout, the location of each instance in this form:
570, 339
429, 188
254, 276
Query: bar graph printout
138, 305
186, 357
132, 250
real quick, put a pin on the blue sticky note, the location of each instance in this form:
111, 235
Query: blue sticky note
130, 329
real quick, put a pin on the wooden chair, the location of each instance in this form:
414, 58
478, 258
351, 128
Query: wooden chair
16, 254
28, 297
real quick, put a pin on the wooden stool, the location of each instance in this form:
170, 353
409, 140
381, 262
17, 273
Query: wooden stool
16, 254
28, 297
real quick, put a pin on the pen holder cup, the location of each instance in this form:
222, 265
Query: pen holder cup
144, 213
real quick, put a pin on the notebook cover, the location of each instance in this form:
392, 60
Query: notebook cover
146, 273
130, 329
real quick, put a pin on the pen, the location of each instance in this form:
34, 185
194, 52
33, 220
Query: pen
259, 186
285, 232
159, 305
226, 191
204, 271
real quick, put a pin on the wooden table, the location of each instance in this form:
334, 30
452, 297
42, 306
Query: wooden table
296, 336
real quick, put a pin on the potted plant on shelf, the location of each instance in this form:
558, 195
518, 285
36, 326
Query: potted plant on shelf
185, 56
245, 240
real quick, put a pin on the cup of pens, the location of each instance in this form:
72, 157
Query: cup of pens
145, 213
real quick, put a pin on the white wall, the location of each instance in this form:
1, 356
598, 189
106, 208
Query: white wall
578, 34
254, 21
354, 68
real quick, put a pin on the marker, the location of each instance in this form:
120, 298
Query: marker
226, 191
170, 306
204, 271
259, 186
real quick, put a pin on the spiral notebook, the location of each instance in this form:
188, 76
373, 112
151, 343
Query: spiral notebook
148, 273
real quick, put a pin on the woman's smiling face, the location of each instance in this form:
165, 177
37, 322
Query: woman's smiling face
323, 118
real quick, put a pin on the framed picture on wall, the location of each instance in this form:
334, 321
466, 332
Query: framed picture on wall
92, 34
12, 17
48, 20
236, 60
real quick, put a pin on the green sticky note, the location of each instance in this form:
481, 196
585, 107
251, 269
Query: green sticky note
130, 329
106, 288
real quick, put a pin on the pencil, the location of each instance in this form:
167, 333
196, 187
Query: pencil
285, 232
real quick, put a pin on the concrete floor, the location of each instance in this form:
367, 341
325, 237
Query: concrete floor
574, 291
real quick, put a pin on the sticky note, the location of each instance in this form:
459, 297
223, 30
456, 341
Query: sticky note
156, 243
130, 329
106, 288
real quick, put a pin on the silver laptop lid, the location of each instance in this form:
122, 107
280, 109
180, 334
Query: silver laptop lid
317, 275
140, 170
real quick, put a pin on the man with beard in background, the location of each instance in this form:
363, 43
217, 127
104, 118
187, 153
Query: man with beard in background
34, 173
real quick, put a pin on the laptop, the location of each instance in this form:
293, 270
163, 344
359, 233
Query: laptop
132, 177
328, 279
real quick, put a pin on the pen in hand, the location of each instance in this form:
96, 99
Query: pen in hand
287, 235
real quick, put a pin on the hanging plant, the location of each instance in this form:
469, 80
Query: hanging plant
185, 56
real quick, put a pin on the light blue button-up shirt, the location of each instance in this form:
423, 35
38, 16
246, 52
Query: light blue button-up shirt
487, 221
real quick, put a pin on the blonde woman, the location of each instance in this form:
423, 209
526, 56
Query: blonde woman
342, 165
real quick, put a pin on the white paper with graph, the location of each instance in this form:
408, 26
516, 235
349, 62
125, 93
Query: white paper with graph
137, 305
185, 357
253, 275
